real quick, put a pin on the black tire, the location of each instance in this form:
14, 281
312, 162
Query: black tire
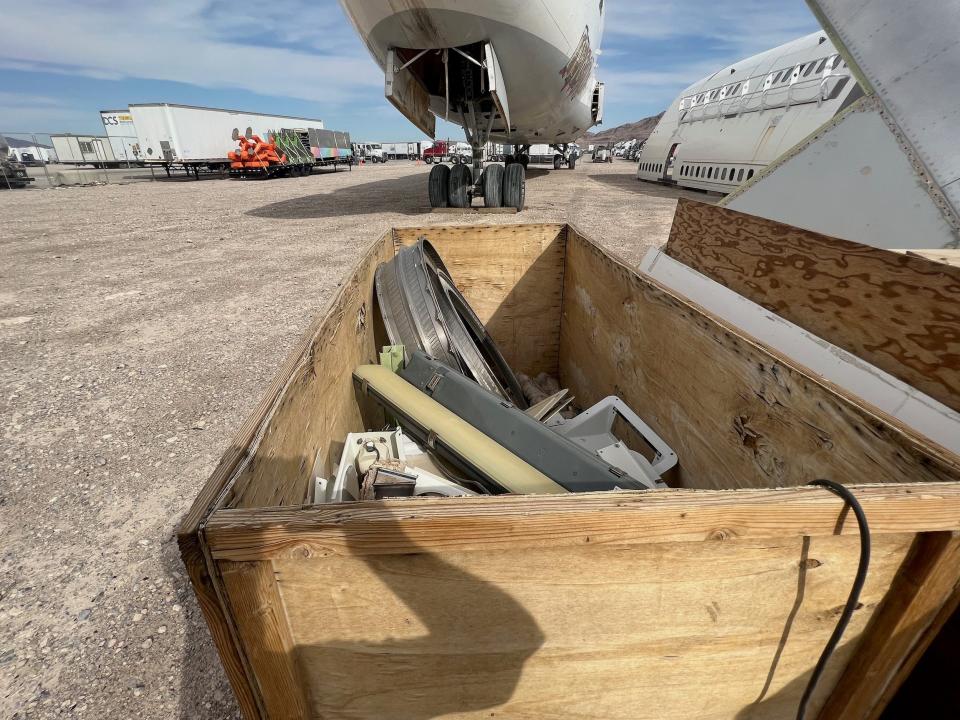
461, 181
437, 186
492, 180
514, 186
557, 162
572, 162
428, 159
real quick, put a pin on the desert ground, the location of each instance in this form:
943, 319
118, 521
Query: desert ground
139, 325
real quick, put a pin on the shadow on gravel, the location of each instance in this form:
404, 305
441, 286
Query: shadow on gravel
205, 693
406, 195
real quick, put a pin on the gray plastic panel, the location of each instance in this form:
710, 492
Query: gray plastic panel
555, 456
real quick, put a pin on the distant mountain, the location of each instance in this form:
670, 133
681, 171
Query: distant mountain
639, 130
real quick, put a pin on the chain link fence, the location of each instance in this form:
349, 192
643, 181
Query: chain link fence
45, 160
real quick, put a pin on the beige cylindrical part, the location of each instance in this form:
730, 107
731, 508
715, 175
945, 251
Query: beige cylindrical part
479, 450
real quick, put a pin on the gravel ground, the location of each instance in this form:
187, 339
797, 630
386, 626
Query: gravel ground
139, 325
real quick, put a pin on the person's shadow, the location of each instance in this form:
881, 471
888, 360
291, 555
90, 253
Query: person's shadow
433, 639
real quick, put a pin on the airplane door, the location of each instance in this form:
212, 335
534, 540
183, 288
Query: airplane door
668, 165
498, 91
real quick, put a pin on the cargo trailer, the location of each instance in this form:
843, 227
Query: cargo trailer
328, 147
92, 150
122, 134
199, 138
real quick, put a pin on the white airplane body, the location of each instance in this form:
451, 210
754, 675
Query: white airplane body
508, 71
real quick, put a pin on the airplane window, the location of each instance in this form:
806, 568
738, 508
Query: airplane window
697, 173
821, 66
775, 79
809, 69
749, 174
740, 175
724, 176
786, 75
709, 173
732, 171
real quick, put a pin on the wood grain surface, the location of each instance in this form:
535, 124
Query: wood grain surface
736, 414
897, 311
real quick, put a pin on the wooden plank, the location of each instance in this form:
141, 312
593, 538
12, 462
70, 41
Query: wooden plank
921, 598
898, 312
737, 414
702, 631
512, 276
203, 577
948, 257
219, 624
622, 519
316, 406
258, 611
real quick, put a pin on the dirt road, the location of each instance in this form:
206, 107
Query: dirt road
139, 325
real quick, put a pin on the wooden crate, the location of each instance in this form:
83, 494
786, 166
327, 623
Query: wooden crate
710, 600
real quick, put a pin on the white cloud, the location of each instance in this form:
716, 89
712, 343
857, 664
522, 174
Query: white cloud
213, 44
750, 25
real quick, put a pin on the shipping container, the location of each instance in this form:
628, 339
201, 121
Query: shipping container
94, 150
186, 135
711, 599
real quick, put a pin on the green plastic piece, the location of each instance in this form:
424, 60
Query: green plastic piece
392, 357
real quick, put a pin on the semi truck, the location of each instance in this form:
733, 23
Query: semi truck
447, 151
199, 138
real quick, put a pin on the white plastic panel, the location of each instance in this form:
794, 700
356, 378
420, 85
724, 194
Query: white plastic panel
498, 89
908, 51
874, 386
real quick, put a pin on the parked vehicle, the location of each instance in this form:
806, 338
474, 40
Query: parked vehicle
13, 174
602, 154
447, 151
369, 152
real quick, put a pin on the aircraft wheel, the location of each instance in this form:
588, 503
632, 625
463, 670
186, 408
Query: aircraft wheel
572, 162
437, 186
461, 180
514, 186
492, 181
557, 162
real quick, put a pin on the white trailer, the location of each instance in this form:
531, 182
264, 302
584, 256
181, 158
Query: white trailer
84, 150
122, 134
404, 150
199, 137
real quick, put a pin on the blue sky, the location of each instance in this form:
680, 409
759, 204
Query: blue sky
62, 61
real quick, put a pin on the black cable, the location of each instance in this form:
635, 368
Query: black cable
854, 598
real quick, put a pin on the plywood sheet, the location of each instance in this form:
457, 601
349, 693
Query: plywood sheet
699, 631
317, 405
898, 312
736, 414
